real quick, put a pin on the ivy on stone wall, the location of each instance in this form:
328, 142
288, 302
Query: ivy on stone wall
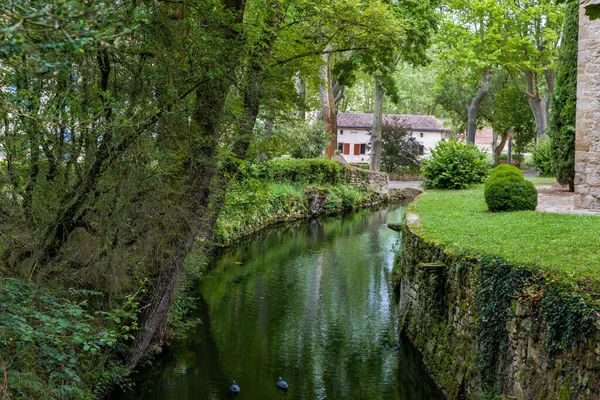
568, 318
498, 283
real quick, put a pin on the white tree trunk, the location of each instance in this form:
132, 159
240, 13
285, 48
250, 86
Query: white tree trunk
376, 135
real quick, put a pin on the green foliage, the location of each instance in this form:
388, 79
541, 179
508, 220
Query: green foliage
398, 149
306, 171
561, 127
454, 165
569, 317
510, 193
542, 156
292, 137
501, 171
505, 108
497, 284
55, 347
252, 205
343, 197
505, 170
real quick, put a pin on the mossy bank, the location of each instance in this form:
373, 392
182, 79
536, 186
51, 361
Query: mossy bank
489, 327
287, 190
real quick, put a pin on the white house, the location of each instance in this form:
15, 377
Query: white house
354, 132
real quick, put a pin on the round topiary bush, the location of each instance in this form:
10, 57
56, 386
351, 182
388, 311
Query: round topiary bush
510, 193
453, 165
502, 170
505, 170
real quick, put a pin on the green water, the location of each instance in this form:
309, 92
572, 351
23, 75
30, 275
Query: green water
311, 302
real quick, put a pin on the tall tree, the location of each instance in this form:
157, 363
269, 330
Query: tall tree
564, 102
124, 121
532, 31
468, 45
420, 21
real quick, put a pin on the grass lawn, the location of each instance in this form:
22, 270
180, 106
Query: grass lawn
541, 180
564, 243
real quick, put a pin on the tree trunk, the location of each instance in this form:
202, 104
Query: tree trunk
376, 135
328, 104
498, 149
206, 185
473, 107
268, 133
301, 93
537, 103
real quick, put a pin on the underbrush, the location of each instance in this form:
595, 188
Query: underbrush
55, 347
254, 204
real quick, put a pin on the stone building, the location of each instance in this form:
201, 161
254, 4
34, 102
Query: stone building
587, 141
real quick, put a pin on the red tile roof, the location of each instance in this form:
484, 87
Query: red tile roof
412, 122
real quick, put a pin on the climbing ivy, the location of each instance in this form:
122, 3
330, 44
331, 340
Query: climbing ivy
498, 283
569, 318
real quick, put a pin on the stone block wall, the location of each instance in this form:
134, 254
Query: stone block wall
439, 313
587, 141
358, 177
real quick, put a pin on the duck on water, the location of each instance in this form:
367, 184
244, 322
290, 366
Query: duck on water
281, 384
234, 388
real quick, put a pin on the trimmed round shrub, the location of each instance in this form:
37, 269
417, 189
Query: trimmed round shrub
505, 170
454, 165
501, 171
510, 193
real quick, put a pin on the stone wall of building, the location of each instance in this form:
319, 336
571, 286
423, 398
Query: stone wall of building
441, 314
587, 143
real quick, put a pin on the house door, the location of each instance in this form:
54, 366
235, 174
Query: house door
346, 148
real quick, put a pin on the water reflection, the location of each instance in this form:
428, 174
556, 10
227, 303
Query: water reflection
311, 303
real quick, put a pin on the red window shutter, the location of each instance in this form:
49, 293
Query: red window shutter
346, 148
357, 149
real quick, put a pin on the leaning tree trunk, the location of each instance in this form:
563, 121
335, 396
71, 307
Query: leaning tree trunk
328, 103
473, 107
498, 149
376, 136
203, 190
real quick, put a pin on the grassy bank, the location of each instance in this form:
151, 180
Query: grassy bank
286, 190
564, 244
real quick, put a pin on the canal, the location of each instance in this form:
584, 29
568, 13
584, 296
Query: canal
311, 302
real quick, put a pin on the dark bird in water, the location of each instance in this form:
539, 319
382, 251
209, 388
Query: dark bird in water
281, 384
234, 388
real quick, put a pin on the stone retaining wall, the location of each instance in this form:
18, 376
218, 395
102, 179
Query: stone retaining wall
364, 179
440, 314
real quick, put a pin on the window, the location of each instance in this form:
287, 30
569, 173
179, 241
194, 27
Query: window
421, 134
363, 148
346, 148
340, 146
341, 131
421, 150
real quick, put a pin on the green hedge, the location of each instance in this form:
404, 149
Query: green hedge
304, 171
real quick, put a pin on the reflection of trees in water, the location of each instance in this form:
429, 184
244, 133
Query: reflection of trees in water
311, 303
